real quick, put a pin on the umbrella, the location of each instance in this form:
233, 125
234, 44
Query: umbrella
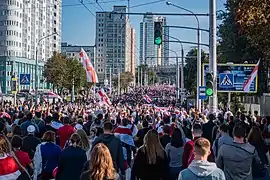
4, 114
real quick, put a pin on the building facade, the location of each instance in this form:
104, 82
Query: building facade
26, 27
113, 43
151, 54
72, 51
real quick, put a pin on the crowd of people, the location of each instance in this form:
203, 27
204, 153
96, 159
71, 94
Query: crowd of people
131, 141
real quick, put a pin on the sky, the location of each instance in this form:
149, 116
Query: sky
78, 24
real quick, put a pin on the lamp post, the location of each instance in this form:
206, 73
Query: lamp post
182, 69
198, 52
36, 66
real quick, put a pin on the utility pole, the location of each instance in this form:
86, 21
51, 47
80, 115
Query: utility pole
213, 54
182, 77
110, 80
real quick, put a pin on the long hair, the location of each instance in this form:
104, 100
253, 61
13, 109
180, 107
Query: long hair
84, 139
152, 147
5, 147
101, 164
177, 140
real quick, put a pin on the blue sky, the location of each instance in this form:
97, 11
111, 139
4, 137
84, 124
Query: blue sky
78, 25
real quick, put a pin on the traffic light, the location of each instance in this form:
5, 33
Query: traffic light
158, 33
209, 84
14, 85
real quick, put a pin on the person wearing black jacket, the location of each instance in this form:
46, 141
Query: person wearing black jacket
72, 160
208, 127
114, 145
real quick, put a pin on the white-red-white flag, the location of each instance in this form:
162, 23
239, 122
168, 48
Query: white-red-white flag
103, 98
147, 98
253, 75
90, 70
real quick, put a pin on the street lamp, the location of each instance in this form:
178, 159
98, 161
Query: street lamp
36, 69
198, 51
182, 69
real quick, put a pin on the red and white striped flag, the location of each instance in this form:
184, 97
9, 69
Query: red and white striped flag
90, 70
103, 98
253, 75
147, 98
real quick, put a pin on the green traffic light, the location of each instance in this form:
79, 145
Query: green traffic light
158, 40
209, 92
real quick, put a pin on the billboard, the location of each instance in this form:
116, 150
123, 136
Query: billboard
232, 77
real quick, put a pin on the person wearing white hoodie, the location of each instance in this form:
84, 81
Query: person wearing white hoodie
200, 168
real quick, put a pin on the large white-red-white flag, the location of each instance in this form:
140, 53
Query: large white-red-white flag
253, 75
147, 98
90, 70
103, 98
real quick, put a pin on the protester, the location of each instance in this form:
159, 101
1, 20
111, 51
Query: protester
29, 121
255, 138
223, 138
236, 159
165, 138
114, 145
151, 161
101, 165
85, 142
30, 142
46, 157
65, 132
71, 160
207, 128
9, 170
188, 154
200, 168
141, 133
174, 151
40, 123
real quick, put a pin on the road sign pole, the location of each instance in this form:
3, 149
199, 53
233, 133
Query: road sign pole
212, 54
229, 101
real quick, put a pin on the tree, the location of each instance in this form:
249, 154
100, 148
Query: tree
54, 70
253, 17
236, 43
125, 79
74, 73
190, 70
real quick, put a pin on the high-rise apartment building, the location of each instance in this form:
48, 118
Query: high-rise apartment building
113, 42
23, 26
151, 54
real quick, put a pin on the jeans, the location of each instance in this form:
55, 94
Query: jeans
174, 172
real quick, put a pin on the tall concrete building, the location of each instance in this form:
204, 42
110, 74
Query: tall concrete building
72, 51
113, 43
23, 23
132, 51
151, 54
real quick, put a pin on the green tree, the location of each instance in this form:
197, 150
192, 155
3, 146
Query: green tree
190, 70
54, 70
126, 78
74, 73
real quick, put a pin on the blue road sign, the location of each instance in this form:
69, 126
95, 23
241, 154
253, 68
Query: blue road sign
226, 80
202, 92
24, 79
241, 73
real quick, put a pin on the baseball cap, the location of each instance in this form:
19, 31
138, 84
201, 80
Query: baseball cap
31, 129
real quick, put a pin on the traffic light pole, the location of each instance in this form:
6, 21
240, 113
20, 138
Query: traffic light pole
212, 54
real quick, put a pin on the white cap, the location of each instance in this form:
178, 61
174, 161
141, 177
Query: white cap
31, 129
78, 126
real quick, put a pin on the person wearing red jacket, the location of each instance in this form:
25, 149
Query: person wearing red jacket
188, 154
65, 132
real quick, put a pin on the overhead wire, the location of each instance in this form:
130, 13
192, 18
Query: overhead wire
87, 8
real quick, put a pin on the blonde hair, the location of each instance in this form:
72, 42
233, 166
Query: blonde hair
202, 146
101, 164
84, 139
152, 147
5, 146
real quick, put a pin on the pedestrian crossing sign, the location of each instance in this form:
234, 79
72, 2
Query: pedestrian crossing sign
24, 79
226, 80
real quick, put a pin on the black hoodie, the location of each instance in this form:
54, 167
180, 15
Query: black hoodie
115, 146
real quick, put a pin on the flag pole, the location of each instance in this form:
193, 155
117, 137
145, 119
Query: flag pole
110, 81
